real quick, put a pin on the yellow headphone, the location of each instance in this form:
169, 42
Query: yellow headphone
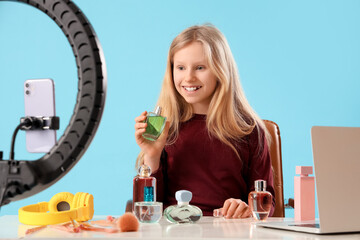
61, 208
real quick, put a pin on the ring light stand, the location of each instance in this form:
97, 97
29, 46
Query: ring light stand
21, 179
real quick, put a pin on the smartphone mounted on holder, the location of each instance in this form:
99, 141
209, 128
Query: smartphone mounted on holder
39, 96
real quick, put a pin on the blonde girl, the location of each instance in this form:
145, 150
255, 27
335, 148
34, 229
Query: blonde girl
213, 144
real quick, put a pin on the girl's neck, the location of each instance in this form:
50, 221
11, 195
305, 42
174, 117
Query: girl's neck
201, 109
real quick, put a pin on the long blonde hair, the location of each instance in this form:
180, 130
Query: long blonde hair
230, 116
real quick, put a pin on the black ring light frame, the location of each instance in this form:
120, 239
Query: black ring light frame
21, 179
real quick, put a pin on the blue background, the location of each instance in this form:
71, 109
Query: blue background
298, 61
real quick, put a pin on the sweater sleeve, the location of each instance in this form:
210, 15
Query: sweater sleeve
260, 164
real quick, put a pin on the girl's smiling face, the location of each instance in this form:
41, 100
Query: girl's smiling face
193, 78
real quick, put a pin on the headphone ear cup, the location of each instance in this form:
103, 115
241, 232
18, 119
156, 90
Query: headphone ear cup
61, 202
85, 201
76, 198
89, 202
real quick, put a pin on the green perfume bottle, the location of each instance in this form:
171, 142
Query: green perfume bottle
156, 124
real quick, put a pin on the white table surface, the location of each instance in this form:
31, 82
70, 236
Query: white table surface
206, 228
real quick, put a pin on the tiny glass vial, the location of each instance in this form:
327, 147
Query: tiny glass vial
183, 212
144, 186
155, 125
260, 201
217, 213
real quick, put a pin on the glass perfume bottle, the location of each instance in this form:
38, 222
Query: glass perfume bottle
260, 201
144, 186
183, 212
217, 213
156, 124
145, 207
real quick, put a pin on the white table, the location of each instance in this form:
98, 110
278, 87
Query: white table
206, 228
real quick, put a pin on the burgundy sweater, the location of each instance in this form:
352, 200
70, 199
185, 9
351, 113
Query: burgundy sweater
210, 169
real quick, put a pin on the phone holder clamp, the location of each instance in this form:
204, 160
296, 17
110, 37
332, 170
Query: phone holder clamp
40, 123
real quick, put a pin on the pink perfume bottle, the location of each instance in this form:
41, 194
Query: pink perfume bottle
144, 186
260, 201
304, 194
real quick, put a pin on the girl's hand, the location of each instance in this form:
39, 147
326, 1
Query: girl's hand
234, 208
151, 149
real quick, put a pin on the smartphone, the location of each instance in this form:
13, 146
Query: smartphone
39, 95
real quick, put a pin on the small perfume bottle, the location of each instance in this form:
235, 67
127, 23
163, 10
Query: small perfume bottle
304, 194
144, 186
156, 124
145, 207
183, 212
217, 213
260, 201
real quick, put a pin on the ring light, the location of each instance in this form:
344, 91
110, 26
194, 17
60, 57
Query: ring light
21, 179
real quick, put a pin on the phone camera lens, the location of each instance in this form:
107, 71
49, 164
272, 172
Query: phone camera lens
27, 85
27, 92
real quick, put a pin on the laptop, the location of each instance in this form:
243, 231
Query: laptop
336, 155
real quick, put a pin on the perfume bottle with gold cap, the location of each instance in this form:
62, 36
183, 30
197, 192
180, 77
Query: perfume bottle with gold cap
155, 124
